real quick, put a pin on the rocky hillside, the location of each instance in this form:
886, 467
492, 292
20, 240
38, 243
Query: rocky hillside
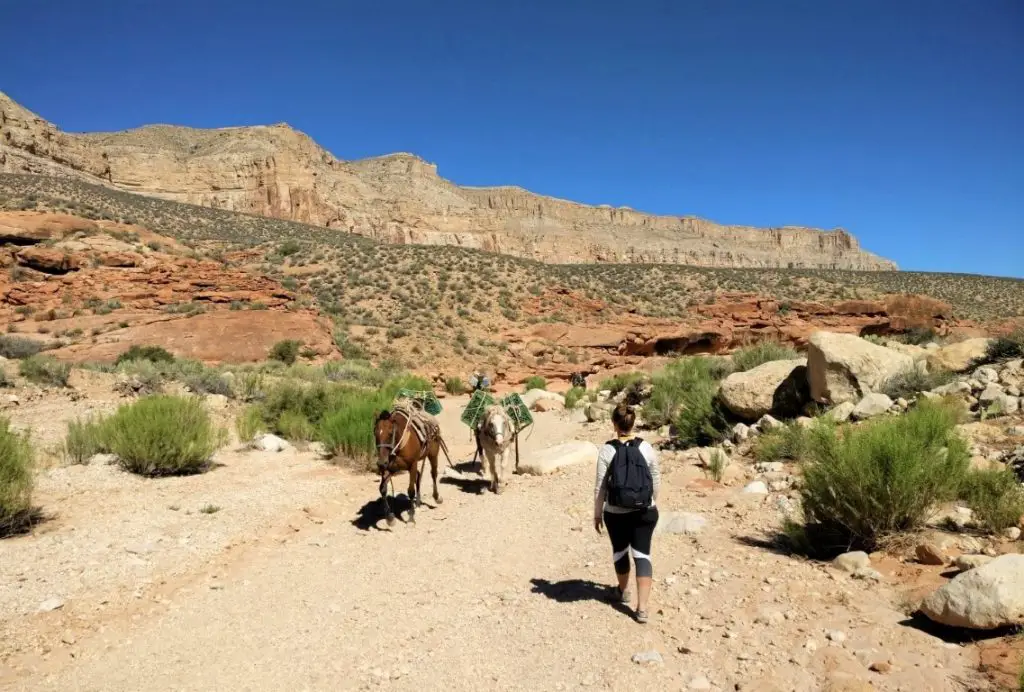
279, 172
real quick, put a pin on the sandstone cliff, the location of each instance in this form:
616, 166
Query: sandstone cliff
277, 171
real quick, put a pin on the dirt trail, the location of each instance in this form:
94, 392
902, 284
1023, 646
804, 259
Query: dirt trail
496, 592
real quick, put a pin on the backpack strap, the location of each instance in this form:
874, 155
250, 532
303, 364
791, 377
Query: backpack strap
615, 444
635, 442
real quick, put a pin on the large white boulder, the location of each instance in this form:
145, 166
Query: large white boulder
548, 460
844, 367
534, 395
958, 357
778, 387
985, 598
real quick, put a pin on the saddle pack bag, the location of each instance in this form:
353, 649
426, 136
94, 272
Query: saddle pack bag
629, 481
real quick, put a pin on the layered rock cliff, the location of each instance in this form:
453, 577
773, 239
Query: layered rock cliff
277, 171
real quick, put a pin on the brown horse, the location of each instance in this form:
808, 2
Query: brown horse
399, 449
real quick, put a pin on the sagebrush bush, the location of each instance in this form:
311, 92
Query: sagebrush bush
684, 393
45, 370
749, 357
1005, 347
84, 439
786, 442
163, 435
249, 424
862, 484
348, 429
209, 382
717, 465
18, 347
618, 383
154, 354
454, 386
908, 383
16, 461
294, 426
574, 396
995, 495
535, 382
146, 373
285, 351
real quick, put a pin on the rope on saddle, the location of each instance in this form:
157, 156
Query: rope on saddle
424, 425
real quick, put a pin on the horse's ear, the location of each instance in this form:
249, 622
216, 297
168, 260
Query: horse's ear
384, 415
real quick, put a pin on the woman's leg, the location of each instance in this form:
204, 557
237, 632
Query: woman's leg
619, 531
640, 541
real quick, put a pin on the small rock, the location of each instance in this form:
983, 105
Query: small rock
1012, 533
647, 657
699, 682
929, 554
836, 636
842, 412
680, 522
852, 561
50, 604
882, 667
873, 404
767, 423
68, 637
868, 574
969, 562
271, 443
102, 459
740, 432
756, 488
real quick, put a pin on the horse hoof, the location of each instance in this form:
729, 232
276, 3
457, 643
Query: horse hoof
498, 490
438, 499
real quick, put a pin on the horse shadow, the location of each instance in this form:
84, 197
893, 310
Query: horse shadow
575, 591
372, 513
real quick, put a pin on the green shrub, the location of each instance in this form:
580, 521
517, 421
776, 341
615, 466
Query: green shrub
574, 396
786, 442
18, 347
918, 336
749, 357
249, 424
249, 386
16, 461
687, 383
535, 382
908, 383
995, 495
618, 383
85, 439
45, 370
717, 465
163, 435
454, 386
209, 381
862, 484
294, 426
146, 373
701, 420
348, 430
154, 354
349, 349
285, 351
1005, 348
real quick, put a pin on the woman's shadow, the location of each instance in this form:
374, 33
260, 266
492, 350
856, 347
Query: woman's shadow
576, 590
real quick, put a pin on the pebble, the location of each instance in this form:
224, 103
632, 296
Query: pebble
756, 488
929, 554
647, 657
50, 604
836, 636
1012, 533
880, 667
853, 561
699, 682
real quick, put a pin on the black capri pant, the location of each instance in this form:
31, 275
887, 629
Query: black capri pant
632, 532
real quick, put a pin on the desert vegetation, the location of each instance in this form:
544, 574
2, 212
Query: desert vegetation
16, 467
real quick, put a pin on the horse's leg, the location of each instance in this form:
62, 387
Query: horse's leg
499, 470
434, 464
384, 497
479, 455
492, 461
413, 472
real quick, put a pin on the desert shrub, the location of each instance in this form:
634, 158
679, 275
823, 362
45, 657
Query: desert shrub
209, 381
285, 351
862, 484
454, 385
18, 347
84, 439
918, 336
717, 465
45, 370
147, 374
908, 383
154, 354
618, 383
16, 461
348, 429
684, 393
163, 435
574, 396
535, 382
249, 423
349, 349
354, 372
249, 386
995, 495
749, 357
786, 442
1005, 348
293, 425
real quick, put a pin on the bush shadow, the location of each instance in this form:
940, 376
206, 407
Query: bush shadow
23, 523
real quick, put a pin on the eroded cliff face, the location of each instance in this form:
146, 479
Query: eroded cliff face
280, 172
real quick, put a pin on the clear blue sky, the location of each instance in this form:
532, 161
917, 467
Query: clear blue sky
900, 120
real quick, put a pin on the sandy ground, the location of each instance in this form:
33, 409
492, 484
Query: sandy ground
293, 584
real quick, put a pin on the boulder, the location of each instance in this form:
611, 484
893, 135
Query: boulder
842, 412
844, 367
930, 554
534, 395
853, 561
966, 563
548, 460
777, 387
543, 405
598, 411
767, 423
873, 404
270, 443
958, 357
985, 598
741, 431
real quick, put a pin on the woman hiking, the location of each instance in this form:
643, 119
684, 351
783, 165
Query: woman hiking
625, 491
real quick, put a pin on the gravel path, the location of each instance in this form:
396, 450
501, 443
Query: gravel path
485, 592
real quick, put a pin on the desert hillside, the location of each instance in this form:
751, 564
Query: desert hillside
279, 172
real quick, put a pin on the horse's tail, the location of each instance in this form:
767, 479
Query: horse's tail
444, 448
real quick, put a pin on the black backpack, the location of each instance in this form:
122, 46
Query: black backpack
629, 479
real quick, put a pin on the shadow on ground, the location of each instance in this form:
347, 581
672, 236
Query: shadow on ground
466, 479
577, 590
372, 514
24, 522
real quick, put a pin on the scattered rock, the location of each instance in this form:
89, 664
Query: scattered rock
969, 562
853, 561
778, 387
930, 554
741, 431
647, 657
873, 404
958, 357
988, 597
680, 522
868, 574
699, 682
1012, 533
842, 412
767, 423
844, 367
881, 667
545, 405
534, 395
598, 411
50, 605
270, 443
756, 488
548, 460
836, 636
102, 459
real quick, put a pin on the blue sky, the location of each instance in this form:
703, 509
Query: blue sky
902, 122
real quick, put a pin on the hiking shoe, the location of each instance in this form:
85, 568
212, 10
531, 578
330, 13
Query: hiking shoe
641, 617
619, 596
